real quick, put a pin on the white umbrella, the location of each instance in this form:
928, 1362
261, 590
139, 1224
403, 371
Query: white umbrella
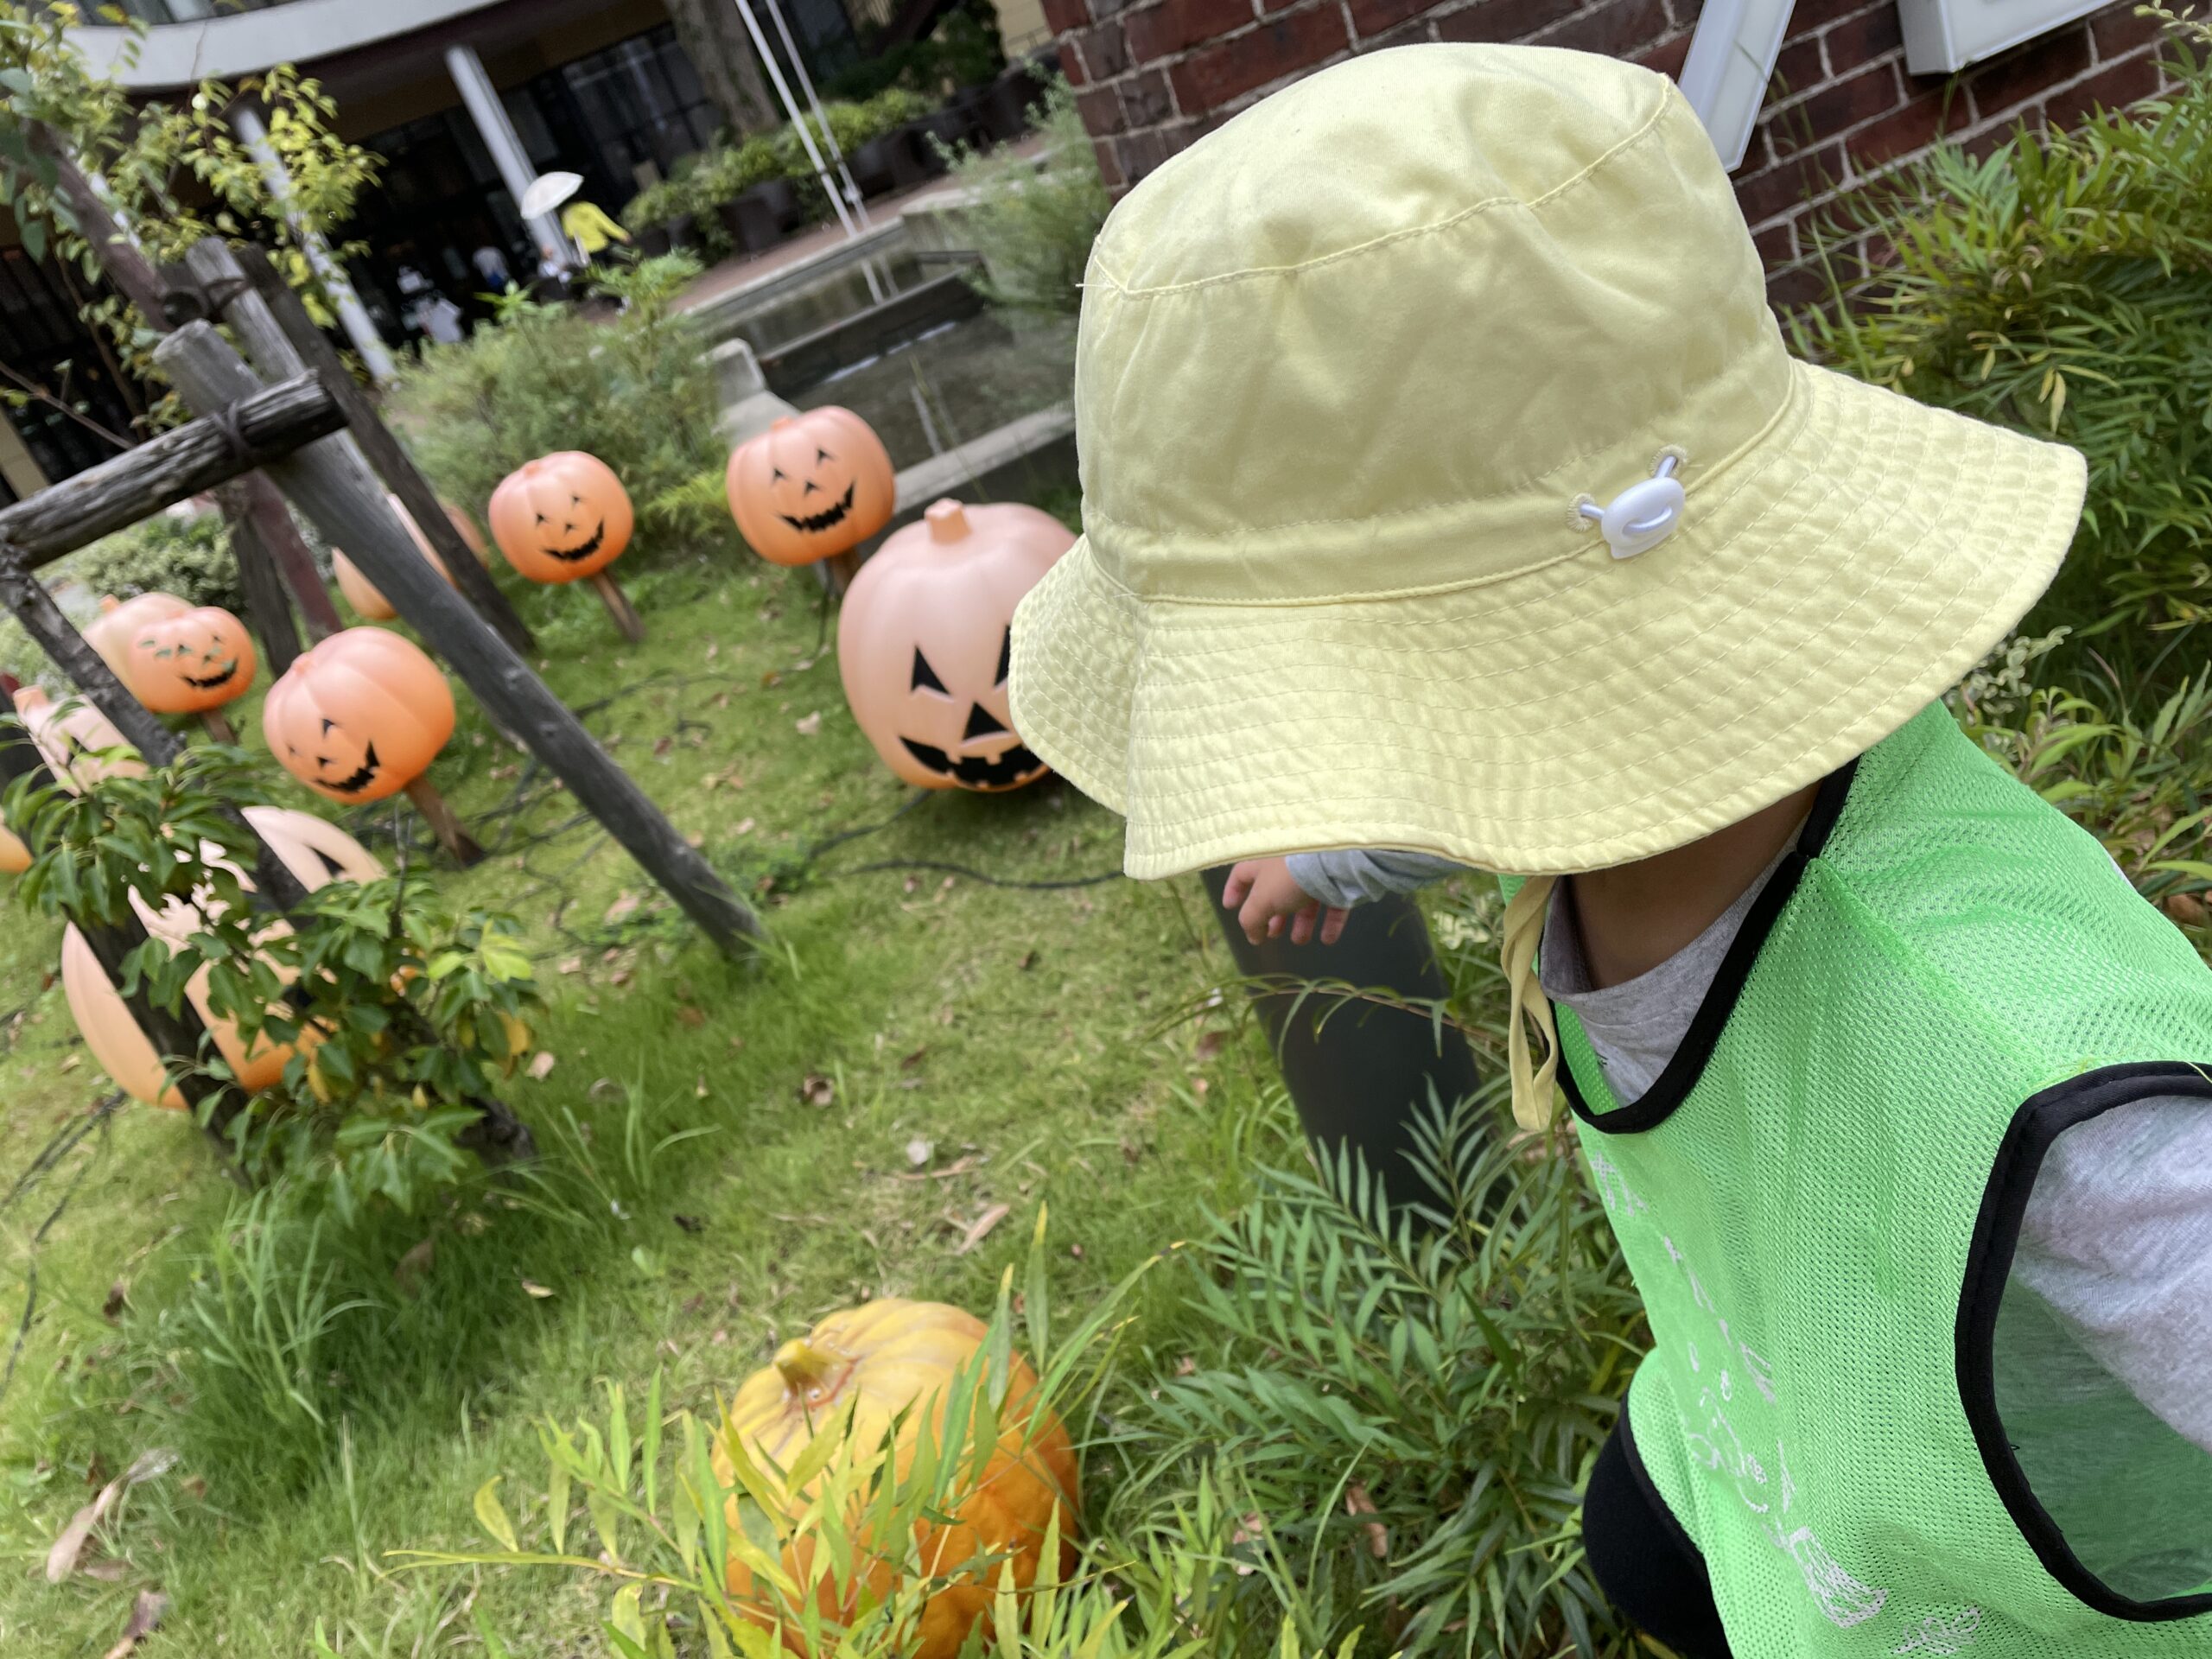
548, 191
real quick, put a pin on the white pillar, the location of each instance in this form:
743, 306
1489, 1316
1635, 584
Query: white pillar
498, 133
799, 122
828, 138
351, 316
17, 465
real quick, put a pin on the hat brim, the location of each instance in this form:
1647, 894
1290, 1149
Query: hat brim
1823, 589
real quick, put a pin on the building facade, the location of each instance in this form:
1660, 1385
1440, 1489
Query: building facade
1842, 106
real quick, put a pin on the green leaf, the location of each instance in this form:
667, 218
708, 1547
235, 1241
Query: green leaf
493, 1516
605, 1521
33, 233
625, 1616
556, 1504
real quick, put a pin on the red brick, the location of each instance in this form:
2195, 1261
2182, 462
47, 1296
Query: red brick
1101, 9
1666, 58
2125, 83
1413, 32
1799, 69
1064, 15
1146, 150
2118, 31
1913, 127
1810, 15
1213, 74
1777, 245
1616, 29
1502, 20
1838, 107
1373, 17
1789, 184
1101, 109
2020, 77
1795, 287
1863, 38
1159, 30
1109, 163
1105, 50
1071, 64
1145, 100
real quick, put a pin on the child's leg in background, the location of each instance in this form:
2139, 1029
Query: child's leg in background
1643, 1559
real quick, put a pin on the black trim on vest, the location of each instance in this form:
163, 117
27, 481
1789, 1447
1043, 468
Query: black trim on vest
2034, 1130
1677, 1534
1672, 1087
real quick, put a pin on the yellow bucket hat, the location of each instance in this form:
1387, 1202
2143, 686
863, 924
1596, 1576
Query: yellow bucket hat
1447, 486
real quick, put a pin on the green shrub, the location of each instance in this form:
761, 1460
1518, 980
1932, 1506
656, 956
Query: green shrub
2062, 287
635, 389
189, 558
1033, 221
1406, 1416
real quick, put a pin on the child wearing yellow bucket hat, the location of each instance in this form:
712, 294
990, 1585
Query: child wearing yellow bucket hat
1451, 499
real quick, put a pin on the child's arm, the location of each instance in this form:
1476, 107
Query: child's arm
1310, 889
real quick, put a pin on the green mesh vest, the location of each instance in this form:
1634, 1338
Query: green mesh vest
1820, 1199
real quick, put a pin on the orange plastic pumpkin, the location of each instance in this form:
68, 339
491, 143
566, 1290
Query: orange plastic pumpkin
563, 516
924, 639
110, 632
359, 717
188, 661
887, 1357
316, 852
810, 485
15, 855
362, 594
67, 740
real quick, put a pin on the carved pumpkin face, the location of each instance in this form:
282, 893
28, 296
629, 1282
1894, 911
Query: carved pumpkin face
182, 663
316, 851
563, 516
810, 485
363, 595
924, 643
67, 740
111, 632
359, 717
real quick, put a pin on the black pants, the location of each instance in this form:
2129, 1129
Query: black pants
1643, 1559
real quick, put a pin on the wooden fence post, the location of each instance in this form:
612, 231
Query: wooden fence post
267, 605
335, 490
380, 446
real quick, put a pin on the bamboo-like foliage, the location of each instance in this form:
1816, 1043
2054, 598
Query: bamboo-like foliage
2063, 286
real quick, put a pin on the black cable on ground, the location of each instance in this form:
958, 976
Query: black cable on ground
939, 867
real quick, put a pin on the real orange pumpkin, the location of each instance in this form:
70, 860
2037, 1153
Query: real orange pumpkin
561, 516
810, 485
359, 717
887, 1358
926, 638
68, 739
367, 601
316, 852
184, 662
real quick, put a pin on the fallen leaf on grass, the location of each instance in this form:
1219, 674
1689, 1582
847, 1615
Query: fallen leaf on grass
407, 1272
691, 1223
810, 726
662, 744
118, 1298
542, 1064
908, 1062
1357, 1503
1210, 1043
700, 1090
73, 1063
105, 1571
61, 1560
625, 902
980, 1229
1028, 961
744, 827
572, 965
689, 1015
919, 1152
145, 1613
531, 1287
814, 1089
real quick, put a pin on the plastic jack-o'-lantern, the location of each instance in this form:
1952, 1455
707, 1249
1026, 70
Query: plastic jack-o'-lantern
888, 1358
69, 739
359, 717
925, 637
15, 855
362, 595
111, 632
561, 516
315, 851
811, 485
186, 662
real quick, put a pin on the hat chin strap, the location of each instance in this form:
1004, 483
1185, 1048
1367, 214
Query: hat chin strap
1535, 1087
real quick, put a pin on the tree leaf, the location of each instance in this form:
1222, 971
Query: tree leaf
492, 1515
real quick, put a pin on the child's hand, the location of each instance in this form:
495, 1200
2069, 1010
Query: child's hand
1264, 897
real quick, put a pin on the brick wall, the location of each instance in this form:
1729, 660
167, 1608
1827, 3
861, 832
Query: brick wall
1151, 78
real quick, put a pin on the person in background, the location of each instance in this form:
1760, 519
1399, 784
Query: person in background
587, 224
491, 265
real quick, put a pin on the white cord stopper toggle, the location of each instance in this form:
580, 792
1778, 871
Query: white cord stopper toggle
1641, 516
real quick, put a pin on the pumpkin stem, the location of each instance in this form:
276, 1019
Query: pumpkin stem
806, 1369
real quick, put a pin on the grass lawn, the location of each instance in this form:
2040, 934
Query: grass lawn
917, 1054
